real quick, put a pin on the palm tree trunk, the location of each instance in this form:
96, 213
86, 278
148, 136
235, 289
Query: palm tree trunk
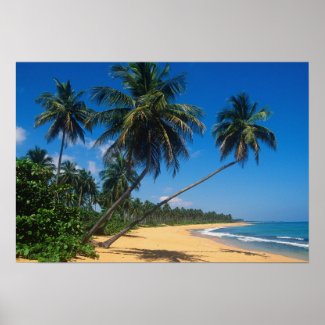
108, 214
109, 242
60, 158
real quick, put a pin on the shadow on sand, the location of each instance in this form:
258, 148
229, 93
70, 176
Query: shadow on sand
152, 255
242, 252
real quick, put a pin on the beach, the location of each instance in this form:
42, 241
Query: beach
177, 244
168, 244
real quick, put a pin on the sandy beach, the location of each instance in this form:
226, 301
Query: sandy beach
177, 244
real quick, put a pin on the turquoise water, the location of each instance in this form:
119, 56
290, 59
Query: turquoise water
285, 238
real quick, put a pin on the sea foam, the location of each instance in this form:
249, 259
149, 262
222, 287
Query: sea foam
210, 232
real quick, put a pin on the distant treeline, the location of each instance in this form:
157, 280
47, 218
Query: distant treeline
173, 216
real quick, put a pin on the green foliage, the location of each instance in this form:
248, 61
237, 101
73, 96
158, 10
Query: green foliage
117, 176
40, 156
66, 112
237, 129
115, 225
32, 183
89, 217
182, 216
47, 229
50, 236
164, 215
145, 121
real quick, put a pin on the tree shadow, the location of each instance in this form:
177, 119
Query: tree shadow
152, 255
242, 252
133, 236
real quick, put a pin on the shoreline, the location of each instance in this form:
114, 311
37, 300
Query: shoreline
176, 244
196, 233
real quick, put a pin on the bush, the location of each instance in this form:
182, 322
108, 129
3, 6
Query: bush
47, 227
115, 225
89, 218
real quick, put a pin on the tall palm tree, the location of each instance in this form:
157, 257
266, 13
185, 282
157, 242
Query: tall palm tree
237, 130
40, 156
150, 127
66, 112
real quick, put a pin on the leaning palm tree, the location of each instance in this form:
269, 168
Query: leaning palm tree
237, 130
66, 112
40, 157
150, 127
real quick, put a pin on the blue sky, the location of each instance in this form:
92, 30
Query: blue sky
276, 189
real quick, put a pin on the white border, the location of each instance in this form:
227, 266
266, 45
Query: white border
169, 30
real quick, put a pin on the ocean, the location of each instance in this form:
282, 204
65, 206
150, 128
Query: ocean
285, 238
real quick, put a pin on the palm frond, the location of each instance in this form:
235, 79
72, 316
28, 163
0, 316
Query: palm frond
110, 96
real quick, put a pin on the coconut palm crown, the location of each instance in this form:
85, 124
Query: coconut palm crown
237, 129
40, 156
145, 122
69, 174
67, 113
117, 177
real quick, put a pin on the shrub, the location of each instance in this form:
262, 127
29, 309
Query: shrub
47, 227
115, 225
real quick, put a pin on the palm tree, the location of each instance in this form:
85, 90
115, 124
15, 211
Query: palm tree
40, 156
236, 131
87, 187
150, 127
67, 113
117, 177
69, 174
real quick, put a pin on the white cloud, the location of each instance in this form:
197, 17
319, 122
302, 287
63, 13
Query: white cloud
89, 143
103, 148
20, 135
92, 167
176, 202
78, 143
196, 154
64, 158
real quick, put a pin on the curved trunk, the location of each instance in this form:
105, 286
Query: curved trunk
60, 158
109, 213
109, 242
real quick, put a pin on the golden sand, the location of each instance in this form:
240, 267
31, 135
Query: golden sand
176, 244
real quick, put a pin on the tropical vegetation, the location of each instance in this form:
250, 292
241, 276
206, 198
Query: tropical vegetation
237, 130
146, 123
48, 227
67, 113
60, 208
